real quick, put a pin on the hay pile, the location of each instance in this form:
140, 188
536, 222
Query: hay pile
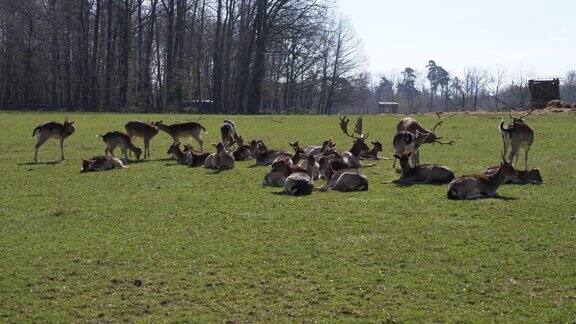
560, 104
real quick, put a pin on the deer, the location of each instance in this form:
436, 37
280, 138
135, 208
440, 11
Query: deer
524, 177
352, 157
515, 136
410, 135
297, 182
183, 130
315, 150
423, 174
339, 177
101, 163
266, 157
187, 157
146, 131
228, 131
56, 130
114, 139
242, 152
280, 171
221, 160
373, 153
478, 186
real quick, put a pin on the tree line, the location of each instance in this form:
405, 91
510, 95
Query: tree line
210, 56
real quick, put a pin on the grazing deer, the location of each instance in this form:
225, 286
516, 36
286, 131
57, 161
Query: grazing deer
183, 130
341, 178
242, 152
101, 163
221, 160
481, 185
410, 135
424, 173
50, 130
146, 131
114, 139
515, 136
228, 131
524, 177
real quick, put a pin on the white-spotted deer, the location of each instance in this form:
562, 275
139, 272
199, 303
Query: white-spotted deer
515, 136
481, 185
143, 130
101, 163
183, 130
114, 139
50, 130
423, 174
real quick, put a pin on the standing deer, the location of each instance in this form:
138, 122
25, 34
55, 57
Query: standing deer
481, 185
515, 136
146, 131
114, 139
183, 130
410, 135
50, 130
101, 163
228, 131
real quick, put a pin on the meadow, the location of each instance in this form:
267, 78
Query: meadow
164, 242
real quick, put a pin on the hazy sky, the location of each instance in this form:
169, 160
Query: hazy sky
528, 35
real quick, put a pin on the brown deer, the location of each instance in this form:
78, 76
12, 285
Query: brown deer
267, 157
281, 169
101, 163
515, 136
423, 174
341, 178
410, 135
143, 130
50, 130
228, 131
524, 177
242, 152
373, 153
187, 157
183, 130
298, 182
114, 139
221, 160
315, 150
481, 185
359, 148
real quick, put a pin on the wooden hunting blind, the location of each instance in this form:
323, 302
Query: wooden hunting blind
388, 107
543, 91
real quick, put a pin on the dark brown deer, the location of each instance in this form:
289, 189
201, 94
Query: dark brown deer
143, 130
423, 174
114, 139
373, 153
183, 130
280, 171
101, 163
50, 130
524, 177
515, 136
266, 157
481, 185
228, 131
410, 135
243, 152
187, 157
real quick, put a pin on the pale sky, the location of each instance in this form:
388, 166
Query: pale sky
523, 35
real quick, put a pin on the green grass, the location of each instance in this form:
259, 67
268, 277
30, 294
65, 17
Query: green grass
217, 247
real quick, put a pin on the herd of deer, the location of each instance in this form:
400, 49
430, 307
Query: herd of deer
296, 172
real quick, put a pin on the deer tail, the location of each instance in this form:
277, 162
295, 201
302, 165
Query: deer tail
203, 128
35, 131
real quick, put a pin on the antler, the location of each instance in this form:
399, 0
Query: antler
357, 129
435, 126
444, 143
528, 114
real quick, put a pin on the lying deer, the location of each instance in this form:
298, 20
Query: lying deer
359, 148
515, 136
187, 157
143, 130
114, 139
315, 150
298, 182
101, 163
373, 153
423, 174
221, 160
267, 157
242, 152
50, 130
481, 185
183, 130
524, 177
343, 179
410, 135
280, 171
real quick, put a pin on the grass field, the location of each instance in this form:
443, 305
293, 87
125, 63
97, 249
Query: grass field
160, 241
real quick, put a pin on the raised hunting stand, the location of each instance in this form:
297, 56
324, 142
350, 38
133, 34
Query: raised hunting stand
543, 91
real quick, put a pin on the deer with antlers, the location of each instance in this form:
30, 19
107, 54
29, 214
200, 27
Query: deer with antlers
410, 135
359, 148
515, 136
50, 130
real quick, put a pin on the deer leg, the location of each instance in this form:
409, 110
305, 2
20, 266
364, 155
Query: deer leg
124, 153
146, 147
199, 140
513, 154
41, 141
62, 149
526, 158
416, 158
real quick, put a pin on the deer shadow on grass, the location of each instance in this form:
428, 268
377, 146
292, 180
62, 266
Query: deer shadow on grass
40, 163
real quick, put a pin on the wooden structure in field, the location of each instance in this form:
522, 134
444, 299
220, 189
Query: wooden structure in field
543, 91
388, 107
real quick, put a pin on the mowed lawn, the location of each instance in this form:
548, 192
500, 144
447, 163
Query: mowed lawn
160, 241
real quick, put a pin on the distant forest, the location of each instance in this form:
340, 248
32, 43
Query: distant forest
221, 57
